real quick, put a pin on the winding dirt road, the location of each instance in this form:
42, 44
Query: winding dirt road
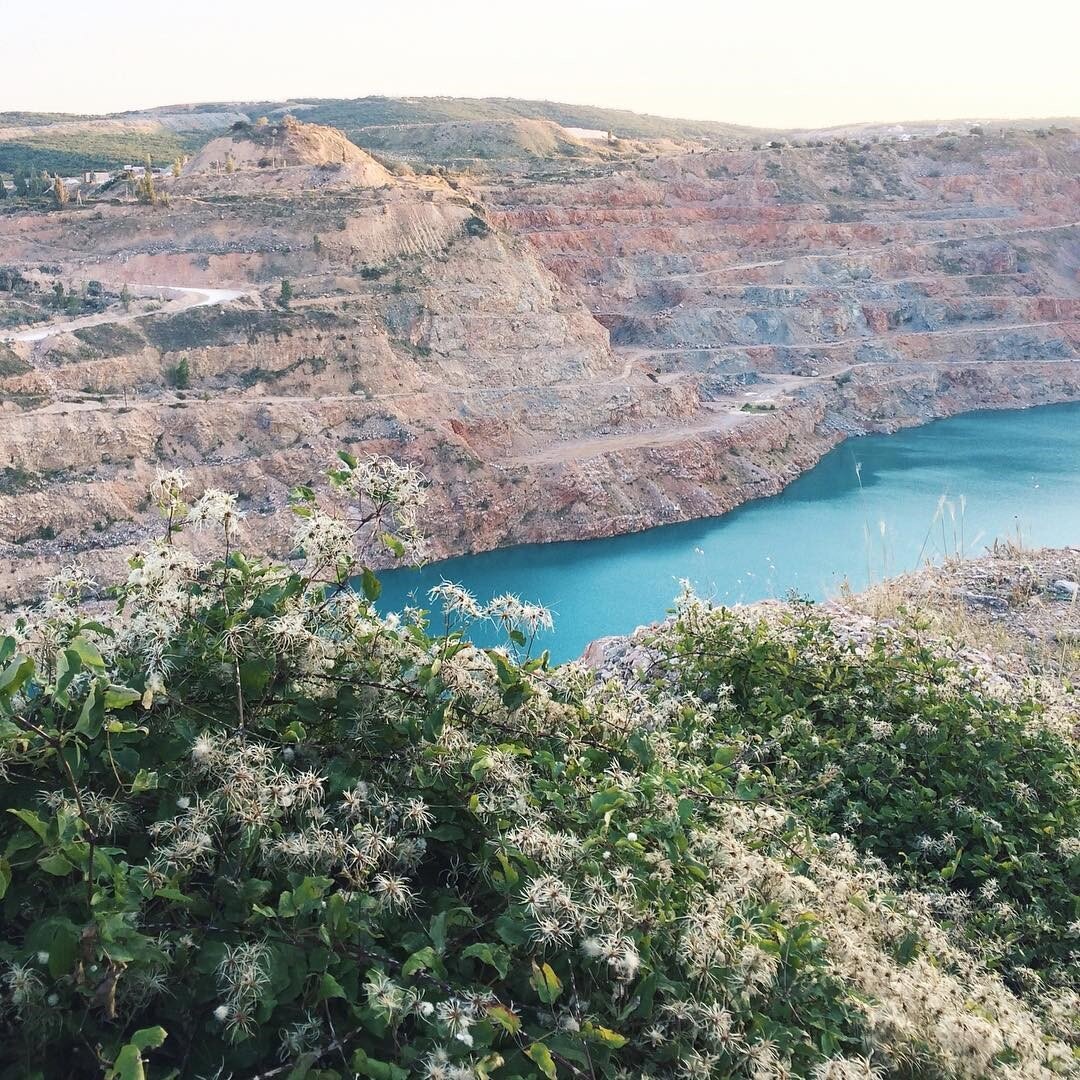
182, 297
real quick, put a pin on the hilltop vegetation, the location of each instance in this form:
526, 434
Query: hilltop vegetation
258, 828
71, 152
378, 111
80, 142
71, 142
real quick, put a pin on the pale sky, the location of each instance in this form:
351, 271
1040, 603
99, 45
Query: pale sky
783, 63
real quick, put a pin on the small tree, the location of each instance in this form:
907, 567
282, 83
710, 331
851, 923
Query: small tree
180, 375
317, 245
230, 163
125, 297
60, 192
177, 165
145, 191
286, 292
3, 188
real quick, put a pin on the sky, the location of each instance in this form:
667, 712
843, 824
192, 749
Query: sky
774, 63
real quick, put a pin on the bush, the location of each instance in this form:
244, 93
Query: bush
477, 226
179, 376
968, 799
257, 828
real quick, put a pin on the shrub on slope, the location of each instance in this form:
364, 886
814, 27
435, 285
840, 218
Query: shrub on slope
255, 828
963, 796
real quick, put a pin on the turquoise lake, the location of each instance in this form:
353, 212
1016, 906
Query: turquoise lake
868, 510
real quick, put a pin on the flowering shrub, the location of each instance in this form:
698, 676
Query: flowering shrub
255, 828
965, 797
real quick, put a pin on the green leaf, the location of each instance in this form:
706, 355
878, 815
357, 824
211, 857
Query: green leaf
370, 584
295, 732
149, 1038
508, 675
639, 743
254, 675
87, 653
303, 1065
511, 930
495, 956
393, 544
5, 877
378, 1070
56, 865
603, 802
445, 832
68, 665
545, 982
128, 1065
505, 1018
487, 1065
948, 871
437, 931
329, 987
92, 714
63, 949
144, 781
420, 960
603, 1035
119, 697
541, 1055
15, 675
28, 817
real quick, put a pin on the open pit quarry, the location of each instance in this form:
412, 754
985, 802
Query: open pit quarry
570, 349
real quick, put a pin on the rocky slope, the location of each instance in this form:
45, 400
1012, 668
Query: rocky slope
595, 348
804, 294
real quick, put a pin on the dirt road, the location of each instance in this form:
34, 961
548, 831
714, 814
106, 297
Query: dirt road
182, 297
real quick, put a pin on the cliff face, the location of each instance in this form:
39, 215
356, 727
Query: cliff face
803, 295
604, 348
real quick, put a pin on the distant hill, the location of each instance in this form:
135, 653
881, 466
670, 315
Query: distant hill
380, 111
69, 143
930, 128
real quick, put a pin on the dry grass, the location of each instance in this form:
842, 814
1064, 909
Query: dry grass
1003, 605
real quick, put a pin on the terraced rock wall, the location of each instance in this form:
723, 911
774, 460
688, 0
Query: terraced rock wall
572, 354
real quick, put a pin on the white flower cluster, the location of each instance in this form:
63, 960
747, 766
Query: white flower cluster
508, 612
216, 509
243, 978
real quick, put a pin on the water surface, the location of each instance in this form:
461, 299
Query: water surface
869, 509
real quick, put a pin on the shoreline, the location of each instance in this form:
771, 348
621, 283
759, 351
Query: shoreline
817, 424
